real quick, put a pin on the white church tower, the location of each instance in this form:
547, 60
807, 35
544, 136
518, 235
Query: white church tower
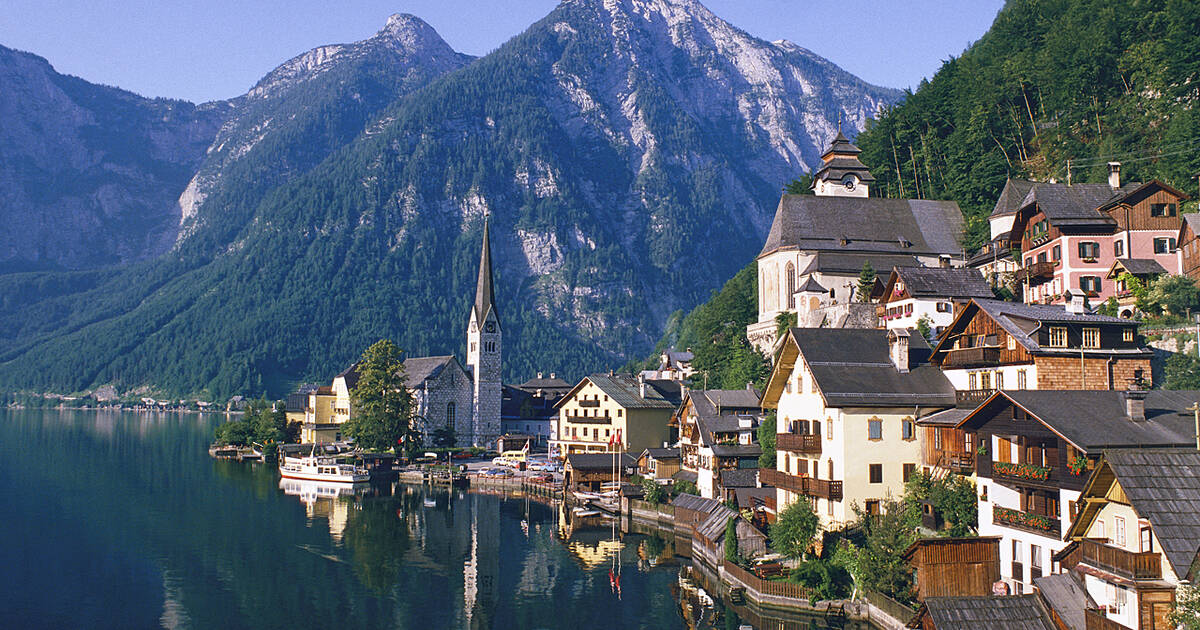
483, 353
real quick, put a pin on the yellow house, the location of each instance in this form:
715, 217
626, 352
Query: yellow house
319, 425
847, 402
602, 407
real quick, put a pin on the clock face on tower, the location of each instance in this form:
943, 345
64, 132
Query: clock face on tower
490, 327
849, 182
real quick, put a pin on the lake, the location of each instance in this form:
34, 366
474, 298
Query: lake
121, 520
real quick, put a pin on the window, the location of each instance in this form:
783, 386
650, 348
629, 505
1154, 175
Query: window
999, 380
875, 429
1089, 250
1163, 209
908, 429
985, 380
1056, 253
1058, 336
1099, 528
1021, 379
1127, 334
829, 429
1119, 530
1116, 596
1035, 557
909, 469
450, 415
816, 427
1016, 553
1164, 245
943, 307
1089, 284
789, 276
1145, 540
1010, 342
1042, 257
937, 437
1091, 337
872, 507
829, 506
1118, 248
971, 381
876, 472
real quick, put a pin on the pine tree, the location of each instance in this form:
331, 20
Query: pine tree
382, 412
866, 282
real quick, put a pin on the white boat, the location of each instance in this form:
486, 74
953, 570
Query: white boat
316, 468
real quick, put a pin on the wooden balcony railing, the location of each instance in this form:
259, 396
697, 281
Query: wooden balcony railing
972, 396
796, 443
1036, 271
588, 403
1029, 521
979, 355
1018, 571
808, 486
961, 463
1127, 564
1096, 620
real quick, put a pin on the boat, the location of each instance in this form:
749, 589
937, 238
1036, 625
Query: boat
318, 468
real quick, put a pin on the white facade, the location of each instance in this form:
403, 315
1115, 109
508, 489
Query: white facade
907, 312
1030, 547
990, 378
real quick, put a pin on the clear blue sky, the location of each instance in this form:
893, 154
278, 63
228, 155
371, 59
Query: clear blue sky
217, 49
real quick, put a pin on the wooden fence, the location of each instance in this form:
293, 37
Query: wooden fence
777, 588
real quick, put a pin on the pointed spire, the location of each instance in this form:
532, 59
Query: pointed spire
484, 293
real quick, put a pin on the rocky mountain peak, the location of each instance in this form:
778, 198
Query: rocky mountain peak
411, 33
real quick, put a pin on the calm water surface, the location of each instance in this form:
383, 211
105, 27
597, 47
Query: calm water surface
121, 520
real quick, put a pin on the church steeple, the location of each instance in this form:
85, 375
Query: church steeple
485, 296
842, 174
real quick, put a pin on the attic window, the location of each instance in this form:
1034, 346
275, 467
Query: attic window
1058, 336
1091, 337
1163, 209
1127, 334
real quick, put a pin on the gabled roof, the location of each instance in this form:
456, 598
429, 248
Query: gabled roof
625, 390
1190, 220
991, 612
736, 450
811, 286
739, 478
1011, 196
1022, 322
599, 461
661, 453
852, 368
696, 504
1093, 420
417, 370
544, 383
1135, 266
940, 282
841, 144
1074, 205
1064, 593
1163, 487
866, 224
852, 262
350, 374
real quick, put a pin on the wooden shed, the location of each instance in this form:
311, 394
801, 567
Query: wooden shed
954, 567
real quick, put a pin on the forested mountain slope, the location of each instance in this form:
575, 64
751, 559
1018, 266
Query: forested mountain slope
1053, 80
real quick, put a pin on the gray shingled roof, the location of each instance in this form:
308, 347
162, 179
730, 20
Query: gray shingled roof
944, 282
1093, 420
1163, 486
350, 374
852, 262
419, 369
812, 286
662, 453
1077, 204
713, 527
1011, 197
686, 475
852, 367
1193, 221
696, 504
544, 383
625, 390
947, 418
739, 478
736, 450
1012, 612
871, 224
598, 461
1023, 320
1066, 595
1140, 266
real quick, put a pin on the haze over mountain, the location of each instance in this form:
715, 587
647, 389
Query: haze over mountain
630, 154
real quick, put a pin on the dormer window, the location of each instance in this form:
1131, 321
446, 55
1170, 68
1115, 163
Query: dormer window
1058, 337
1091, 337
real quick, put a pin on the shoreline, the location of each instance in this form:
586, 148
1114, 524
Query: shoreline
125, 409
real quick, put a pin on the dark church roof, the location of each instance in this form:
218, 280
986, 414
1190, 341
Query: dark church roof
866, 224
417, 370
485, 299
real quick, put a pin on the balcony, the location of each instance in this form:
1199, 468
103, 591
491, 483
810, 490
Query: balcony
1017, 571
796, 443
1097, 620
1127, 564
961, 463
979, 355
1028, 521
808, 486
972, 396
1036, 272
588, 403
1003, 471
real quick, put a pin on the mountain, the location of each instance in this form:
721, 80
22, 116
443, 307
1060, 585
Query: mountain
1081, 80
89, 174
629, 152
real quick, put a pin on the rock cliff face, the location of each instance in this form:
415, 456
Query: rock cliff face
89, 174
629, 152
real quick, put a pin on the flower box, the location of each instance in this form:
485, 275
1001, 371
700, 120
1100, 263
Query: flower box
1021, 471
1017, 517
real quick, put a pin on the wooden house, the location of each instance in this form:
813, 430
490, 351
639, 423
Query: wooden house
718, 432
1144, 270
587, 472
932, 293
658, 463
991, 612
952, 567
1189, 246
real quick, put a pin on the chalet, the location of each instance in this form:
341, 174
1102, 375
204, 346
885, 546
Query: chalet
718, 431
659, 463
818, 243
606, 412
1137, 534
954, 567
1069, 234
847, 401
1189, 246
587, 472
989, 612
912, 293
1035, 449
995, 260
994, 345
1144, 270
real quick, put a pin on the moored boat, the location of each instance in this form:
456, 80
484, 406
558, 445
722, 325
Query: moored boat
316, 468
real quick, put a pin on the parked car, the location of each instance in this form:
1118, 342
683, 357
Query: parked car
542, 478
497, 472
499, 461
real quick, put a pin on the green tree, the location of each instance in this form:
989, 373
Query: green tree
925, 326
1173, 294
684, 487
1182, 371
377, 541
800, 186
766, 440
794, 530
234, 433
783, 322
827, 580
653, 492
382, 412
443, 437
879, 560
1109, 307
731, 539
1186, 611
866, 282
953, 496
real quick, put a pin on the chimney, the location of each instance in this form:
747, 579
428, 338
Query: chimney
1114, 175
898, 348
552, 375
1076, 303
1135, 404
539, 376
642, 385
749, 386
